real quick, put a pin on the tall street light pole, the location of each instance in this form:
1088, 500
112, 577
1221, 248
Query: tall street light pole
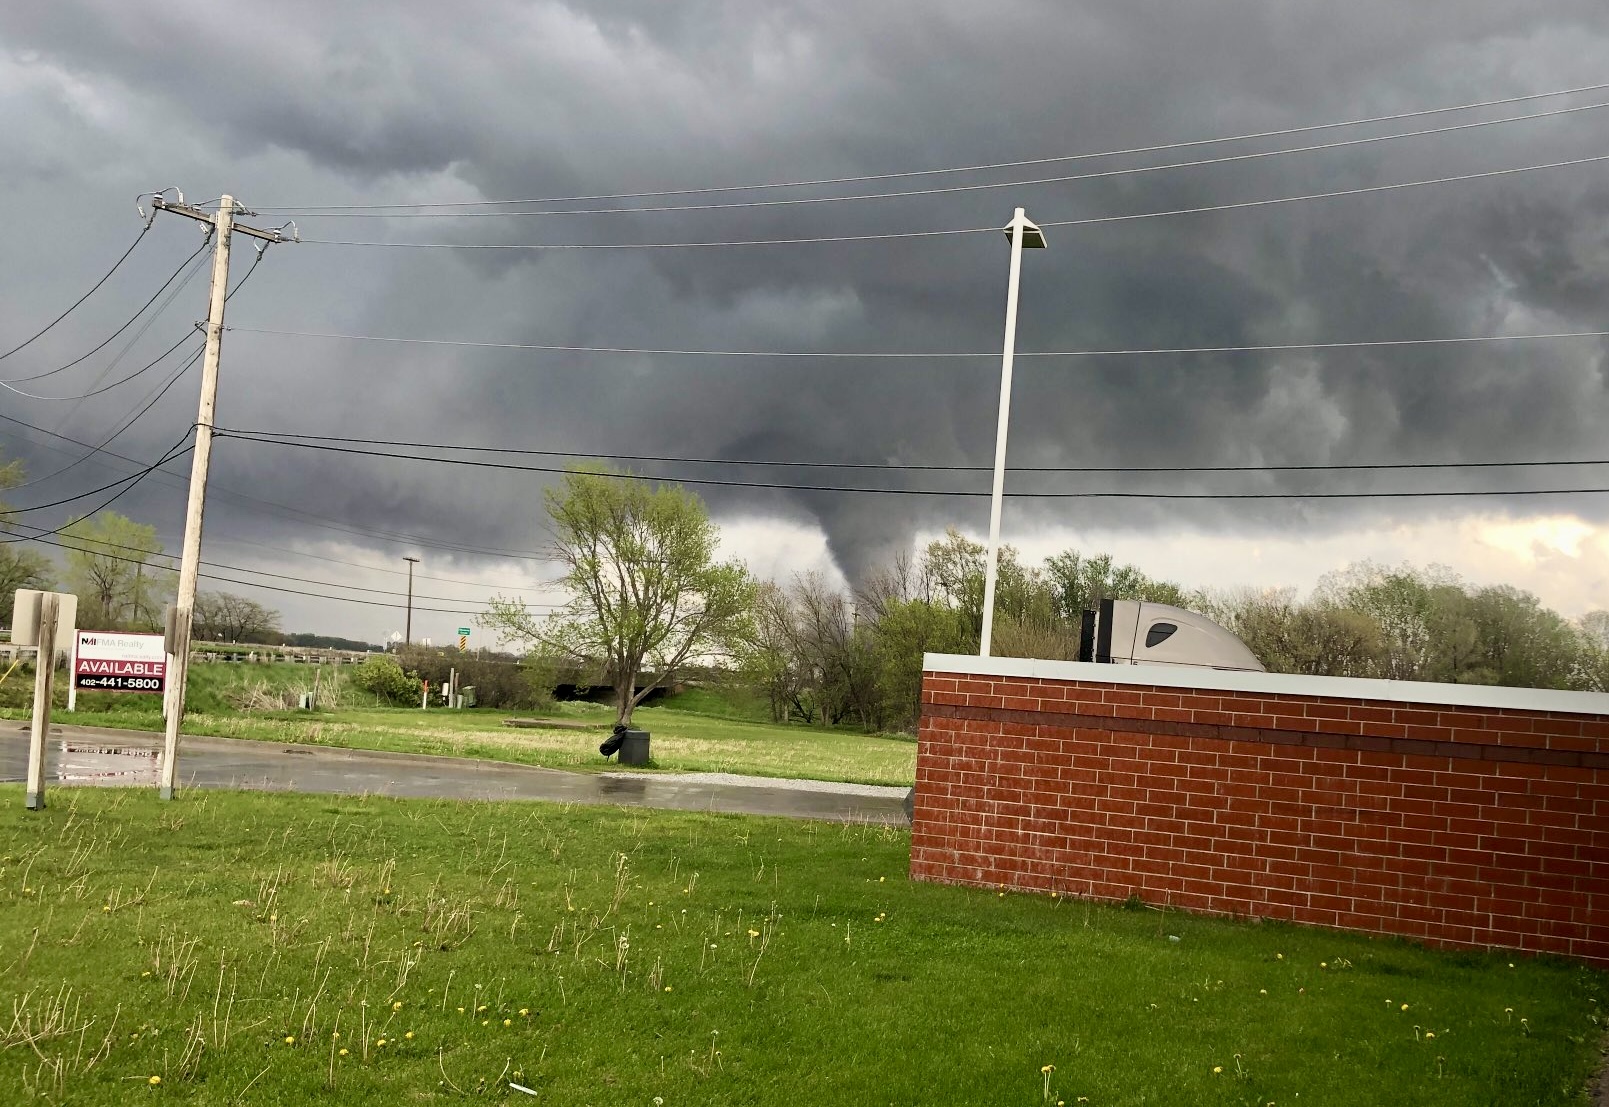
1024, 234
407, 629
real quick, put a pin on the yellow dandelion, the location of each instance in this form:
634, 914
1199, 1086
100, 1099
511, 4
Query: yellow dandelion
409, 1035
1430, 1033
508, 1022
1047, 1069
460, 1010
397, 1006
479, 1009
290, 1039
1323, 964
380, 1042
1217, 1069
525, 1012
343, 1053
146, 975
335, 1036
154, 1081
1404, 1007
754, 933
667, 987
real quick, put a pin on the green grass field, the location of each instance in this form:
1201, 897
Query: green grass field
699, 731
275, 950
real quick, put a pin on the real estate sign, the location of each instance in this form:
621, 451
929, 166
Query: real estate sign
112, 661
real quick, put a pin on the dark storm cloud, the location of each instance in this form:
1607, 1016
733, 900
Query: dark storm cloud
294, 103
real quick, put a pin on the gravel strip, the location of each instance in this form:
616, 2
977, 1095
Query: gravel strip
735, 780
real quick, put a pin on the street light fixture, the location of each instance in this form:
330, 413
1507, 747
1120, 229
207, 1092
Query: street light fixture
1024, 234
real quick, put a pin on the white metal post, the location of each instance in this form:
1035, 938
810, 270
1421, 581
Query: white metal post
189, 564
1019, 223
44, 688
72, 671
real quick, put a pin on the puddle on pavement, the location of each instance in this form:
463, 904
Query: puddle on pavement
93, 763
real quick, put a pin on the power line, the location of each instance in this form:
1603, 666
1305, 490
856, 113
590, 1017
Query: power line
150, 402
101, 546
712, 482
1195, 163
48, 541
152, 398
865, 178
107, 388
308, 516
295, 437
254, 544
1329, 195
76, 303
110, 337
173, 453
1283, 347
959, 230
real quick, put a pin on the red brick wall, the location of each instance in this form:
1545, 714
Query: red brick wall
1458, 825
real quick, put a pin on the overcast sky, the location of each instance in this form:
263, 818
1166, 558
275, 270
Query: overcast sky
293, 106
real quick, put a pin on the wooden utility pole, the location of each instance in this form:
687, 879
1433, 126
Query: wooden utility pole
224, 229
407, 627
44, 688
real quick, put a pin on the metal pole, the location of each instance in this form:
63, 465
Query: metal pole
72, 670
1007, 356
44, 688
189, 564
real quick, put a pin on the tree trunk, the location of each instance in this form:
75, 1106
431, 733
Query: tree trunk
625, 693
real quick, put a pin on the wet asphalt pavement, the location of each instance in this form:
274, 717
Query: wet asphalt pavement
87, 757
79, 756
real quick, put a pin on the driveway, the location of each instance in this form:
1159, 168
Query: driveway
79, 756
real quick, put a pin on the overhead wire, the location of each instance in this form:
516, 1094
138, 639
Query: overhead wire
293, 436
79, 302
47, 540
966, 493
99, 546
977, 168
895, 235
108, 340
1101, 174
152, 398
933, 355
133, 481
324, 522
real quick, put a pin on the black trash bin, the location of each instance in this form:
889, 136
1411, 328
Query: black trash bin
634, 747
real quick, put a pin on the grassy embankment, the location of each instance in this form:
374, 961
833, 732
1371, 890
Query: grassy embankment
697, 731
259, 949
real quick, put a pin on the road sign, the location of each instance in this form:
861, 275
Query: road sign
463, 642
112, 661
463, 632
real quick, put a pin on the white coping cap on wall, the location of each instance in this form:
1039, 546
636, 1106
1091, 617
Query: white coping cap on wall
1279, 684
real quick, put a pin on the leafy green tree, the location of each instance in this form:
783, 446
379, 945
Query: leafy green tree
381, 675
905, 631
646, 593
116, 567
1077, 582
1526, 645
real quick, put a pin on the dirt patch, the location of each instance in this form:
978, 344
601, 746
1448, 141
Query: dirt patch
554, 724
